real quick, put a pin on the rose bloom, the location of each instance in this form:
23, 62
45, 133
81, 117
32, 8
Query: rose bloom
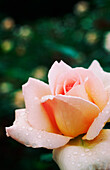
75, 102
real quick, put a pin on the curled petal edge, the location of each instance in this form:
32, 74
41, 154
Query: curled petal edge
56, 69
82, 111
98, 123
100, 73
22, 132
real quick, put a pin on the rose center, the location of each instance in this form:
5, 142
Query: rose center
68, 85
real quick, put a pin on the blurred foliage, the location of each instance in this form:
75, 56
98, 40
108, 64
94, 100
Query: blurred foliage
29, 50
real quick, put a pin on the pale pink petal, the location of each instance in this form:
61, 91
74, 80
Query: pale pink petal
94, 87
38, 87
108, 92
79, 91
85, 155
98, 123
56, 70
73, 115
66, 81
97, 69
25, 134
33, 90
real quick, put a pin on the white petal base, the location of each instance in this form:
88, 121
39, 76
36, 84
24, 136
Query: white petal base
85, 155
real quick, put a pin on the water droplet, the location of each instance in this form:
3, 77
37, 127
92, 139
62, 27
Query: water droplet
27, 112
30, 128
34, 145
22, 114
75, 153
86, 161
68, 156
48, 140
39, 136
107, 112
35, 98
94, 153
89, 153
82, 154
79, 165
23, 127
103, 152
98, 160
50, 144
87, 150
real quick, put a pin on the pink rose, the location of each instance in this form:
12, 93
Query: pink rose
75, 102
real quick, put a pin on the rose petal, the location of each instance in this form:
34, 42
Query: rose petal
33, 90
85, 155
73, 115
94, 87
25, 134
35, 86
98, 123
56, 70
62, 72
79, 91
97, 69
66, 80
108, 92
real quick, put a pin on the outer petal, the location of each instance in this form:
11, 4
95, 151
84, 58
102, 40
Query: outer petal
85, 155
25, 134
33, 90
56, 70
40, 88
97, 69
73, 115
98, 123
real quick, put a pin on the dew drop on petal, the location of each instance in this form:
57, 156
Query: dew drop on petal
30, 128
50, 144
86, 161
89, 153
75, 153
27, 112
22, 114
35, 98
68, 156
82, 154
34, 145
98, 160
87, 150
103, 152
39, 136
79, 165
48, 140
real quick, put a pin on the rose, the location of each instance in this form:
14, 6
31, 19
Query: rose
75, 102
